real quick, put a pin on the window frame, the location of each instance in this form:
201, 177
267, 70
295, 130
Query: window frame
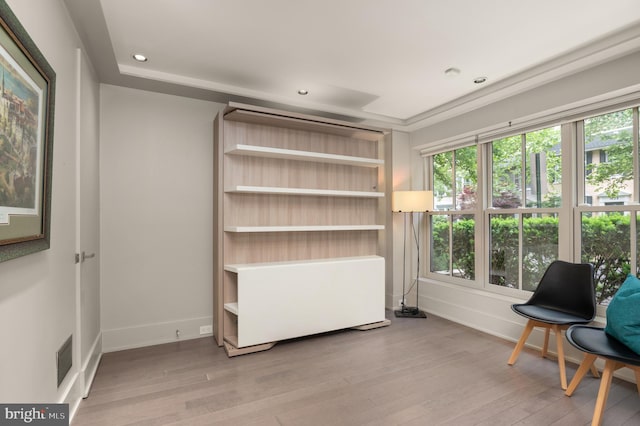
521, 211
573, 190
427, 237
633, 207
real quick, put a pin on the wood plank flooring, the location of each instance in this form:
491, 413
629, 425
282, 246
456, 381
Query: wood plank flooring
414, 372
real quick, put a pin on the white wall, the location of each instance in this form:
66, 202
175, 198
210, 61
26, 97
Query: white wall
37, 292
157, 216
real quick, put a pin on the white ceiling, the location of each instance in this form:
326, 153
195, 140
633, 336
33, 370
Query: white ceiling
376, 60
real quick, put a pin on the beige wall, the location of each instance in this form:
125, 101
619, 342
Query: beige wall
157, 216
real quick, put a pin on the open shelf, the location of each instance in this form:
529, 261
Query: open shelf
231, 307
292, 154
316, 228
244, 189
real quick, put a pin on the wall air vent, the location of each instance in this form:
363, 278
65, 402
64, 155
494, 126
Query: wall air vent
64, 359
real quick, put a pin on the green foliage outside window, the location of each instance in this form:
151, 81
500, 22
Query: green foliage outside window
508, 172
463, 246
603, 245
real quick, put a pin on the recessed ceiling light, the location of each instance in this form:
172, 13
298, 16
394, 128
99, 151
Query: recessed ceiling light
140, 58
480, 80
303, 92
451, 72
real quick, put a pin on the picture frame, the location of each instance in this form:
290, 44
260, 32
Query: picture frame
27, 100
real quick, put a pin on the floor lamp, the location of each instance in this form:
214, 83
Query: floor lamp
409, 202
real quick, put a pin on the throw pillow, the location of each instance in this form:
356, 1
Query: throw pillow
623, 314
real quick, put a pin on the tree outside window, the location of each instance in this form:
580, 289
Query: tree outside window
455, 185
526, 176
609, 180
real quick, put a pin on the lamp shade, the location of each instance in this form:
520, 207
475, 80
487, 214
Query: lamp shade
412, 201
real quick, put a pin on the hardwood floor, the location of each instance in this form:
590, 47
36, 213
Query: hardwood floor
414, 372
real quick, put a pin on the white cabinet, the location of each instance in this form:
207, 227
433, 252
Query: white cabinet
284, 300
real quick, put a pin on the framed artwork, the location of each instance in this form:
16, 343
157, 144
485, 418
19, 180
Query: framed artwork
27, 91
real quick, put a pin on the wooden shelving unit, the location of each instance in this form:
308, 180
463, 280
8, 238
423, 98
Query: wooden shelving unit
300, 204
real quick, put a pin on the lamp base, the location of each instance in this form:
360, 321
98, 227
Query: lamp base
409, 312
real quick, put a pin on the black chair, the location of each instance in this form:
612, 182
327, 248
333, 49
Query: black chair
564, 296
596, 343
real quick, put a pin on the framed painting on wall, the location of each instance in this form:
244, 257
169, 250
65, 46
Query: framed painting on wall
27, 89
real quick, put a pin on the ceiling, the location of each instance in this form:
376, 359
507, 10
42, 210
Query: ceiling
380, 61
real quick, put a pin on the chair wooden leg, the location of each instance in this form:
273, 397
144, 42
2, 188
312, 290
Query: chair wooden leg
545, 345
586, 365
560, 347
594, 371
603, 393
637, 371
523, 338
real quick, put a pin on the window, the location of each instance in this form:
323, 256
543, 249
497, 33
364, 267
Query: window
611, 136
609, 218
455, 187
527, 221
605, 242
526, 171
603, 156
588, 163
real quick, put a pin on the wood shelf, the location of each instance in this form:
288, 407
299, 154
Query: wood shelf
318, 228
233, 340
292, 154
245, 189
231, 307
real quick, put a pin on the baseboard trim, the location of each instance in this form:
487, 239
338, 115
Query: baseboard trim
118, 339
71, 391
90, 367
79, 384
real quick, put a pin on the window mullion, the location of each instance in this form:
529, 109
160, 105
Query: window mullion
523, 201
633, 244
450, 245
523, 171
579, 161
633, 222
453, 207
520, 249
636, 160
